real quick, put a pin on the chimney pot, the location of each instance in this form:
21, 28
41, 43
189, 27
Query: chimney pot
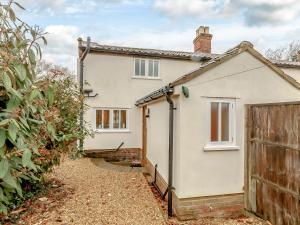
202, 42
200, 30
206, 30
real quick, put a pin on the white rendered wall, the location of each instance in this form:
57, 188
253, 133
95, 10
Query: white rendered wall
158, 139
205, 173
111, 77
196, 173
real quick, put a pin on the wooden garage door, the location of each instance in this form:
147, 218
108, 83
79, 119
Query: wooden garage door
272, 168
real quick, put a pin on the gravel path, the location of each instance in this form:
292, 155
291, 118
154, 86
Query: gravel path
99, 193
104, 196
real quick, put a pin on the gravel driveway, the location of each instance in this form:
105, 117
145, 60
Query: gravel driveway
106, 194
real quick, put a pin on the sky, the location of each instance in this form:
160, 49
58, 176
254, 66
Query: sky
161, 24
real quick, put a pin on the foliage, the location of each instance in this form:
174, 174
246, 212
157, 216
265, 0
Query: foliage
288, 52
65, 110
38, 118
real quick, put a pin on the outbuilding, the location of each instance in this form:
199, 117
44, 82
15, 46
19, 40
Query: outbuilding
206, 135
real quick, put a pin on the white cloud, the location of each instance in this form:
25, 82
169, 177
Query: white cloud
82, 6
54, 7
62, 45
254, 12
259, 12
197, 8
157, 40
42, 5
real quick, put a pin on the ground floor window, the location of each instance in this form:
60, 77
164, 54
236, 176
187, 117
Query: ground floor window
111, 119
222, 121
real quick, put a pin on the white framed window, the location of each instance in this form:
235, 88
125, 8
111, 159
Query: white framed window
111, 119
221, 125
146, 68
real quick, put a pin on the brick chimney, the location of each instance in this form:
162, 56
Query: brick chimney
202, 42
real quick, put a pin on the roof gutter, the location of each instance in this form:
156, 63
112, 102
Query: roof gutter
81, 59
155, 95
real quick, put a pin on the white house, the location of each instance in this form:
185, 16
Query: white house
209, 93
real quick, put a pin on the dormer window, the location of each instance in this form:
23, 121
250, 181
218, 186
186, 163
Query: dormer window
146, 68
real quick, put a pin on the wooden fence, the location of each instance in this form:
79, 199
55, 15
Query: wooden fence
272, 168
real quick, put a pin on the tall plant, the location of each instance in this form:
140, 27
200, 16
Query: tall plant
34, 126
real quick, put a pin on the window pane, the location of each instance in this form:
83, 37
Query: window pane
99, 124
143, 67
123, 119
156, 68
116, 119
214, 121
150, 68
137, 67
225, 121
105, 119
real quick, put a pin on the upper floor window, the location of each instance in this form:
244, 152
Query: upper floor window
146, 68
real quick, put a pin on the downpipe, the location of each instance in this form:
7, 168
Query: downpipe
171, 136
81, 59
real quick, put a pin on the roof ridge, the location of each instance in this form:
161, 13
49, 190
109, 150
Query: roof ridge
146, 51
154, 49
186, 55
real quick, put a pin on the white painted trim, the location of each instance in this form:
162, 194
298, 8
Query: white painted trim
113, 107
111, 129
146, 76
221, 148
232, 125
221, 97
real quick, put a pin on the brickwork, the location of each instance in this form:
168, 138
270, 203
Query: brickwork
126, 154
211, 206
202, 43
161, 183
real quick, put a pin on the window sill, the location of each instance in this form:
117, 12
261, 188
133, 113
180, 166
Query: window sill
146, 78
208, 148
112, 131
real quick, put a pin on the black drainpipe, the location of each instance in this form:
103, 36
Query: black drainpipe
171, 134
82, 57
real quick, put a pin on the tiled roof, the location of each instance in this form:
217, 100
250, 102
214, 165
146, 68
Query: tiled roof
149, 52
170, 54
285, 63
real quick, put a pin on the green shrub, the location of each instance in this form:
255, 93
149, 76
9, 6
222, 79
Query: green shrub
38, 118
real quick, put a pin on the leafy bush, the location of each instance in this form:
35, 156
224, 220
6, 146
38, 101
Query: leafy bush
38, 118
64, 111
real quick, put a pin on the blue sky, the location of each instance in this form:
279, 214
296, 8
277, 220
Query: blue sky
163, 24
